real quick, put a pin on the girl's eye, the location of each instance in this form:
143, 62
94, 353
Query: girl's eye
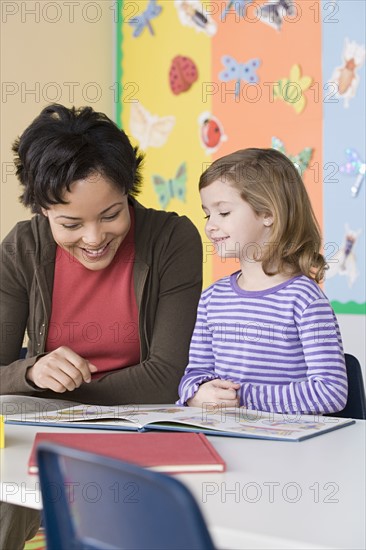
207, 217
224, 214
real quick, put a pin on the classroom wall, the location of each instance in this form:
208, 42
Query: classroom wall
50, 51
64, 51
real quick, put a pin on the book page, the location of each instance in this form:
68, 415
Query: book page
211, 418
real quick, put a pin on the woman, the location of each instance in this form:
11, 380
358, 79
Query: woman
105, 289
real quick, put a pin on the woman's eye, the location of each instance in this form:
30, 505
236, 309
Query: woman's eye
112, 217
73, 226
223, 214
207, 217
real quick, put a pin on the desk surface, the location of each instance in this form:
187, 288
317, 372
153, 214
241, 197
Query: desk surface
275, 494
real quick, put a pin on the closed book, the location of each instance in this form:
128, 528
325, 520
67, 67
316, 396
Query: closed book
170, 452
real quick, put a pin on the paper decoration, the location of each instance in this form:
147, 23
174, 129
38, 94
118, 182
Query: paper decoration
211, 132
301, 160
239, 71
354, 167
171, 188
149, 130
142, 21
345, 77
192, 14
182, 74
292, 89
274, 11
343, 262
238, 5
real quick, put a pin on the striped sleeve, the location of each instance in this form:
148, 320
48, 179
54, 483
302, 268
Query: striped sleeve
324, 389
201, 366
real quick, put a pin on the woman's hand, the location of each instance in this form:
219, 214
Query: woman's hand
61, 370
220, 392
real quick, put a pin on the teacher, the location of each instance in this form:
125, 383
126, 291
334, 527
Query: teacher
105, 290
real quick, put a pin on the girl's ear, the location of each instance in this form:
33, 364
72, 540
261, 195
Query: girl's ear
268, 220
44, 212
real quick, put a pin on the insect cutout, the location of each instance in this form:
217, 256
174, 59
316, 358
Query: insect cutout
354, 167
211, 132
292, 89
274, 12
239, 71
301, 160
142, 21
192, 14
171, 188
345, 77
149, 130
238, 5
344, 261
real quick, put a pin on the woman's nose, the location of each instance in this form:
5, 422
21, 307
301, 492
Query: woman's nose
93, 235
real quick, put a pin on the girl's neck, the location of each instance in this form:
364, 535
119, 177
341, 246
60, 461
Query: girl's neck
253, 278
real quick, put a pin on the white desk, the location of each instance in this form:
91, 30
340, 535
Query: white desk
273, 495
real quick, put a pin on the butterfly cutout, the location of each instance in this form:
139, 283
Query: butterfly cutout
238, 5
273, 13
239, 71
301, 160
291, 89
149, 130
139, 22
193, 13
171, 188
354, 167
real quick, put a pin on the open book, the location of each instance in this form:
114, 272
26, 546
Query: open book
210, 419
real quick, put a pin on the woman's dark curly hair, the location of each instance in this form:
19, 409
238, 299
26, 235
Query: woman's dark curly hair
64, 145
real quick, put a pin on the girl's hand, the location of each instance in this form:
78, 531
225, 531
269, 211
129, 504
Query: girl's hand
61, 370
220, 392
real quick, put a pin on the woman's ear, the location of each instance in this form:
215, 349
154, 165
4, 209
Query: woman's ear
44, 212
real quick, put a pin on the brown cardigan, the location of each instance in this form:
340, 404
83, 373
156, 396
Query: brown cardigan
168, 282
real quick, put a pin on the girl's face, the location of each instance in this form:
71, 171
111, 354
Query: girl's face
93, 223
232, 225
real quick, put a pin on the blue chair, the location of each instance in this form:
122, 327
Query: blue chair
356, 399
94, 502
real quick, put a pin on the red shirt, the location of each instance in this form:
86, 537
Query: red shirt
95, 312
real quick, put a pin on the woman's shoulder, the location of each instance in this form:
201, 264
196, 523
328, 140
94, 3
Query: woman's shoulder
158, 228
160, 218
29, 237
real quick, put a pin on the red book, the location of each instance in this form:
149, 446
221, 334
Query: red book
170, 452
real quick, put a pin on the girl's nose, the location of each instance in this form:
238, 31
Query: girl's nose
210, 225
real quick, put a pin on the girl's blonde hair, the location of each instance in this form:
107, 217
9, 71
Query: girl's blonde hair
271, 184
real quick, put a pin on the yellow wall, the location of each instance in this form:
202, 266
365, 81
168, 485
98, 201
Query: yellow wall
59, 50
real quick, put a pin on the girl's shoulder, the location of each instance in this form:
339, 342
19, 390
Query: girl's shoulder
302, 283
221, 286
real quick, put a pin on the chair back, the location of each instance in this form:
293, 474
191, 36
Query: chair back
95, 502
356, 399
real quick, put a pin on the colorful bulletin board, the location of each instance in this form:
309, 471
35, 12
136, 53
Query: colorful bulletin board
199, 80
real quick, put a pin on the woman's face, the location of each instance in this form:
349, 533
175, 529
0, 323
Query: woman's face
93, 223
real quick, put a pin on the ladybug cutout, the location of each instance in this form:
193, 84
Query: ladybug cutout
182, 74
211, 132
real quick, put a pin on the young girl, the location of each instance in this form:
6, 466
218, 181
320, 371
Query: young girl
266, 336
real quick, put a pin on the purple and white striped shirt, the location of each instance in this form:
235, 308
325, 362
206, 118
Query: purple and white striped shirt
282, 344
